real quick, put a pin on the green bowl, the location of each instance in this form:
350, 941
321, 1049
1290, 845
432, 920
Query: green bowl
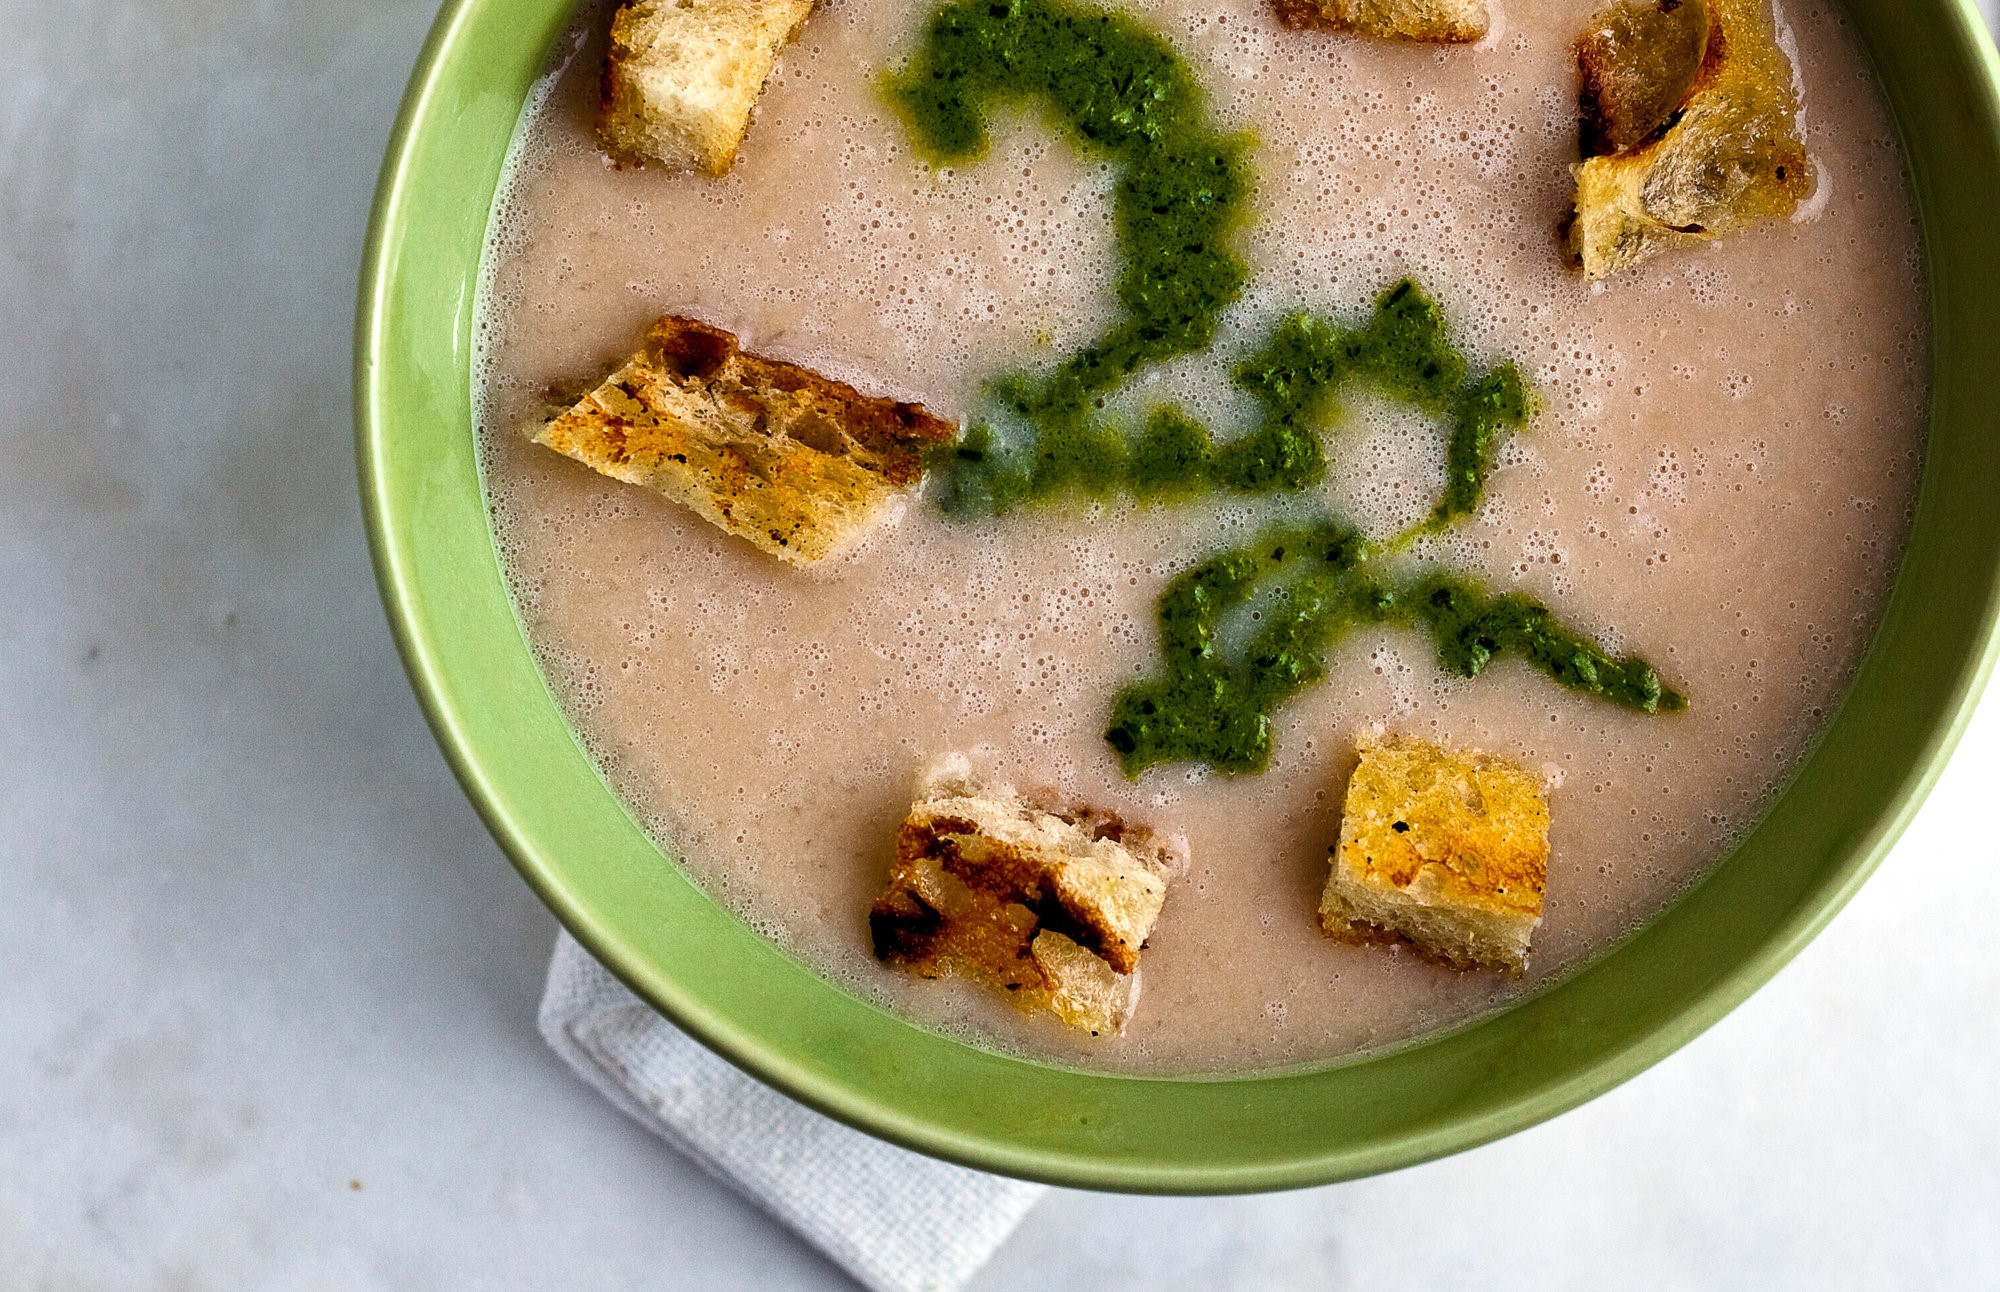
741, 996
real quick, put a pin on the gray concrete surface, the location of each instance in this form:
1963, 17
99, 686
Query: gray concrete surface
267, 988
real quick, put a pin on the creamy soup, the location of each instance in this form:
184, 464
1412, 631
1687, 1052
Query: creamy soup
1718, 478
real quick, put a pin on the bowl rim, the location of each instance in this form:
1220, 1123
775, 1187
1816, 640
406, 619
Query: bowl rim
1437, 1094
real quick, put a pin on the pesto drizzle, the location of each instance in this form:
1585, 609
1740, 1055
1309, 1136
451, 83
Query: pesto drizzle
1297, 377
1404, 350
1212, 704
1114, 88
1117, 89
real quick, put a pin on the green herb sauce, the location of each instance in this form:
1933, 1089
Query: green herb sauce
1404, 350
1115, 88
1245, 631
1213, 704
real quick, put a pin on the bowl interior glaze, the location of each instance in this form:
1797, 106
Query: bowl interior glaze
735, 991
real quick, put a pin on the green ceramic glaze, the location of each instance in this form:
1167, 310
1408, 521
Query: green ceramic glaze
740, 995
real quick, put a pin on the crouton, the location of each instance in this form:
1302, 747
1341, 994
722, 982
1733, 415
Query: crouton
1050, 906
1447, 850
795, 462
1437, 21
682, 76
1688, 126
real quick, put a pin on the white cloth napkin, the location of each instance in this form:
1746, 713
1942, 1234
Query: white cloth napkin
896, 1220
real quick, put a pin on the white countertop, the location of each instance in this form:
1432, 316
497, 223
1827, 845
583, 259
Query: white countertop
270, 988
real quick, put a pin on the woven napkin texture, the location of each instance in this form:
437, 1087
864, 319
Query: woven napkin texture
895, 1220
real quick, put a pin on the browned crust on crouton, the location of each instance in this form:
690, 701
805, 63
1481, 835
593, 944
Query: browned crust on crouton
1441, 22
1010, 894
1621, 106
1050, 905
1666, 165
705, 125
1445, 849
790, 459
610, 94
889, 436
1300, 15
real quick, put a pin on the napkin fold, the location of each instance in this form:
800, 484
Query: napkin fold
896, 1220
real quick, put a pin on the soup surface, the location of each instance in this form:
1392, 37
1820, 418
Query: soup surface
1719, 478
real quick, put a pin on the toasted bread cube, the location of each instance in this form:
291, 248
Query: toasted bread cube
682, 76
1448, 850
1638, 64
1689, 129
1437, 21
1083, 989
795, 462
1050, 906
